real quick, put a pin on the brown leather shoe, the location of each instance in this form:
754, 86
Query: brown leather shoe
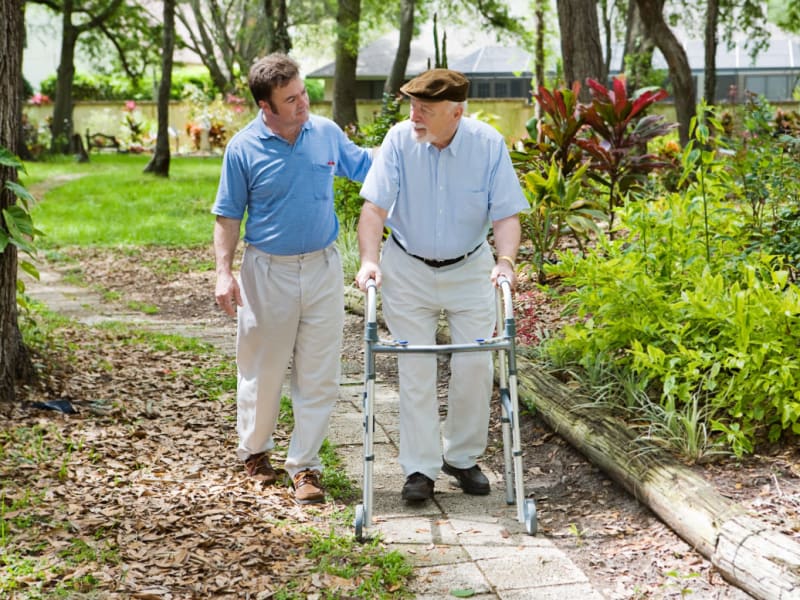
307, 488
259, 468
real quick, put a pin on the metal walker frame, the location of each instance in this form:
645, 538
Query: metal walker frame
504, 344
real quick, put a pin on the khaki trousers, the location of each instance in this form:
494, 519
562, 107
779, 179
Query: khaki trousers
293, 315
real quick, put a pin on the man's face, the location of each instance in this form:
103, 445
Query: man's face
289, 104
435, 122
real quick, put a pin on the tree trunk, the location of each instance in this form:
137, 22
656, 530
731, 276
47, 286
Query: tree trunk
344, 85
539, 54
710, 72
15, 363
159, 164
202, 43
61, 127
398, 73
277, 23
763, 562
607, 10
581, 49
637, 57
680, 73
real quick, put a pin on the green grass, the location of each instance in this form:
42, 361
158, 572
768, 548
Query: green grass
111, 202
382, 572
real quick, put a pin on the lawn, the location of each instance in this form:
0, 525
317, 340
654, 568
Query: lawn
110, 201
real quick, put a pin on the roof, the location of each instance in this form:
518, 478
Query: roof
494, 60
468, 52
480, 55
375, 60
782, 52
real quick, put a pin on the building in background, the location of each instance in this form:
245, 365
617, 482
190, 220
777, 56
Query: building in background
506, 71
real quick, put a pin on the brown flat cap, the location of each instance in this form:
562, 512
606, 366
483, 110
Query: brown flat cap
437, 85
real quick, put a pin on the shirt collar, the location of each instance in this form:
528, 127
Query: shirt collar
455, 143
266, 133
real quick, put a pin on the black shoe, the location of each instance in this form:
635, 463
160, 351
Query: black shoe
417, 488
471, 480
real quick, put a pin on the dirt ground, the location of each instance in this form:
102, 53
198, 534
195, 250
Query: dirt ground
622, 547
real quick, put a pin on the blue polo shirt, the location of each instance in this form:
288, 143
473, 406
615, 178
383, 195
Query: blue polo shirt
286, 190
442, 202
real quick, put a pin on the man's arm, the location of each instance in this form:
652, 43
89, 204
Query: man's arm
370, 233
226, 237
507, 234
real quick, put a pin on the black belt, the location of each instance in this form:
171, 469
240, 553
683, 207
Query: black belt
437, 263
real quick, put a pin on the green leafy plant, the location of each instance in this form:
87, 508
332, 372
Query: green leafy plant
553, 177
18, 229
578, 533
556, 207
374, 572
720, 334
679, 581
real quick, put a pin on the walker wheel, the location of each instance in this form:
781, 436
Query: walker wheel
359, 523
529, 509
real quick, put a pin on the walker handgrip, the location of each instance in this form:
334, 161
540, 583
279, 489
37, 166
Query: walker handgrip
505, 287
372, 311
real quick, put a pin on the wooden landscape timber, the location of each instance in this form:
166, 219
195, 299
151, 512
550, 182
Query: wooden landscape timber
749, 554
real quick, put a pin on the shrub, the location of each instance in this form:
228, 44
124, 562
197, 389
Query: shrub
315, 89
117, 87
685, 304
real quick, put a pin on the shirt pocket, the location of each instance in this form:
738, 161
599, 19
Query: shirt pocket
472, 207
322, 180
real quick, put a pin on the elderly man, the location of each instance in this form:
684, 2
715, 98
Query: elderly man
440, 182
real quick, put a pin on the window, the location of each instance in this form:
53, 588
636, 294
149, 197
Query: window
520, 88
777, 88
772, 87
484, 90
723, 88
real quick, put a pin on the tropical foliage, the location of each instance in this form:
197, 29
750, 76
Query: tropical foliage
693, 307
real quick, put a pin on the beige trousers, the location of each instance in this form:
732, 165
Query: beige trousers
293, 316
414, 295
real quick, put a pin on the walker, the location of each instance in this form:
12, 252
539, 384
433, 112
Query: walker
505, 346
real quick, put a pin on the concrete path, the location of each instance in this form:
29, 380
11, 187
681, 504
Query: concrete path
460, 545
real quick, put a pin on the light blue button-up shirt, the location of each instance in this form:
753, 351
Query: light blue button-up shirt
286, 189
441, 203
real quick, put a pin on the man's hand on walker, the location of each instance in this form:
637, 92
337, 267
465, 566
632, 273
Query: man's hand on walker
504, 269
369, 270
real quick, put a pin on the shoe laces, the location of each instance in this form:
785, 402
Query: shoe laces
307, 477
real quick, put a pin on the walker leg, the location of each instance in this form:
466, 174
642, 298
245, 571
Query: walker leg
505, 421
531, 524
364, 510
359, 524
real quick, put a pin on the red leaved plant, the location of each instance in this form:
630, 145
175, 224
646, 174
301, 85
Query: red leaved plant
617, 135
